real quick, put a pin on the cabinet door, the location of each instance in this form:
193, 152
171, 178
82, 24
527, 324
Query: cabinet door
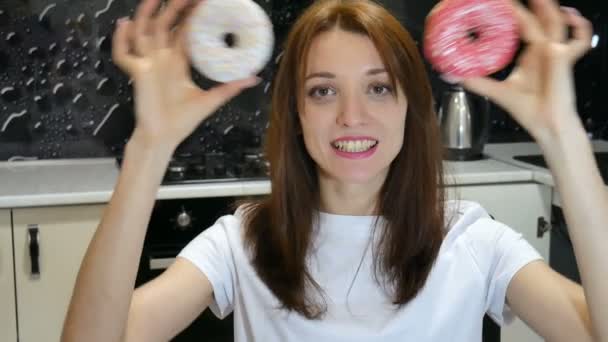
519, 206
61, 236
8, 318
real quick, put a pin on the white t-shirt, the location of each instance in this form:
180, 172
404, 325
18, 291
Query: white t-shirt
477, 259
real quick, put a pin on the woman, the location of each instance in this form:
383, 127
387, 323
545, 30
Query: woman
355, 242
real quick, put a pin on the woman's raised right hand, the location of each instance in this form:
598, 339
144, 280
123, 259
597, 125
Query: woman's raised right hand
168, 104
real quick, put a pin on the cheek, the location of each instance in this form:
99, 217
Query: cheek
315, 121
311, 130
401, 126
397, 130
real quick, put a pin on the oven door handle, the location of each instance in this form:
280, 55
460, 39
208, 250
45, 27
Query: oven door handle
160, 263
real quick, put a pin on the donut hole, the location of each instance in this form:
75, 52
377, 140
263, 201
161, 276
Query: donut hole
473, 34
230, 39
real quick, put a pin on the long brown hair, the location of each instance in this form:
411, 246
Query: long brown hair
279, 229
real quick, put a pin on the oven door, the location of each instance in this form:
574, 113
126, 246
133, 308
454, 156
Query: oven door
173, 224
206, 327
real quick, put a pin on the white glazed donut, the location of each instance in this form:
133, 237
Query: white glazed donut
252, 34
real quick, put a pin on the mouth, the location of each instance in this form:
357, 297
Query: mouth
354, 145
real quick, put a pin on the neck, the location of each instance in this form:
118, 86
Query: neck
338, 197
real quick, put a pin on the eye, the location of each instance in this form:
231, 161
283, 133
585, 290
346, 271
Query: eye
320, 92
381, 89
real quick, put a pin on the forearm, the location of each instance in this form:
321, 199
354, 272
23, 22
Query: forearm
104, 286
585, 205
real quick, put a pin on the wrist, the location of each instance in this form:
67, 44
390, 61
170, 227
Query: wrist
144, 161
567, 140
564, 128
148, 154
146, 145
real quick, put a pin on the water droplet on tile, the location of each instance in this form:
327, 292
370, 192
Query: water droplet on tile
10, 94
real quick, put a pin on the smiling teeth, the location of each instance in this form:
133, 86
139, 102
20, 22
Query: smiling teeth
355, 146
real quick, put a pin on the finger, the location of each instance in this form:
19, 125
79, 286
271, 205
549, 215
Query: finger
121, 46
180, 51
142, 25
550, 17
180, 39
582, 33
530, 28
178, 32
218, 95
167, 19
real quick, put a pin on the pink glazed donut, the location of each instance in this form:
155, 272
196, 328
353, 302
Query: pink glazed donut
229, 39
470, 38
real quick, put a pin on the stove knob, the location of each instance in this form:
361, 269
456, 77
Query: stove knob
177, 168
200, 169
184, 220
219, 170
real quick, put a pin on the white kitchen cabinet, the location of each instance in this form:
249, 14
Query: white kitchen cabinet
63, 234
518, 206
8, 318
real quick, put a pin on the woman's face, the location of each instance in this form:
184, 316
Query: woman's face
351, 120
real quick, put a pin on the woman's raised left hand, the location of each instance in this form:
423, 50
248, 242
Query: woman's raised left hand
539, 93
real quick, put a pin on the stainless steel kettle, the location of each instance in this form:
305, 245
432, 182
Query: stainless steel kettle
465, 123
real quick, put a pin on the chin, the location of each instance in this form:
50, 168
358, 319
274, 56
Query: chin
361, 172
359, 175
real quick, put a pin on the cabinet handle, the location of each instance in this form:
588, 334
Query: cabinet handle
542, 226
34, 247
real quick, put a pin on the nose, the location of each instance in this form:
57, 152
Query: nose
352, 110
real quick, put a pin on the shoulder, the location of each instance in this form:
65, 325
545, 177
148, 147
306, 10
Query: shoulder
469, 223
471, 218
224, 234
487, 239
230, 225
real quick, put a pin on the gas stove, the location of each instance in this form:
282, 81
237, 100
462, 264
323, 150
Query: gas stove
187, 168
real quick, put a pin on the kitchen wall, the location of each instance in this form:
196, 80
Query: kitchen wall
61, 96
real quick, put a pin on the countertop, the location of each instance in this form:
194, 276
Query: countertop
82, 181
88, 181
506, 152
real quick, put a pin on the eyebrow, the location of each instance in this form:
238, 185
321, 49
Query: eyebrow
325, 74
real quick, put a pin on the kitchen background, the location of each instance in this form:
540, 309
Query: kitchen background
61, 96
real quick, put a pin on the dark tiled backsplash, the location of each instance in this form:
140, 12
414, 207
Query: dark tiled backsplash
61, 96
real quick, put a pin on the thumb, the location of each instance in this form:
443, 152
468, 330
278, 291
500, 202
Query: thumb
221, 94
